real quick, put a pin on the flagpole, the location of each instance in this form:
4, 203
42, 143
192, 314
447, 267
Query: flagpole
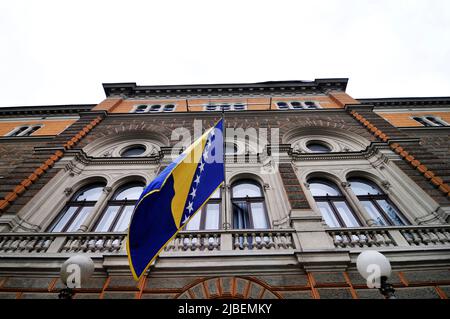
225, 224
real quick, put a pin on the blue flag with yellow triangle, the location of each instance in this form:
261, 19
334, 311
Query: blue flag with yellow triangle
174, 197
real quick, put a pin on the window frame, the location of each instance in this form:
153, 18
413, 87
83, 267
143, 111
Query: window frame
288, 105
330, 199
149, 108
248, 201
122, 203
29, 129
430, 121
373, 198
72, 202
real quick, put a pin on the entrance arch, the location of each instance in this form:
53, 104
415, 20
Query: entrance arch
228, 287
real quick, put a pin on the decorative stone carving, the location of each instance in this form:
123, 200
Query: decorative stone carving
345, 184
107, 189
386, 185
68, 191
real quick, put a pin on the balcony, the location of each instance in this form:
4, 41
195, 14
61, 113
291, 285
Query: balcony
114, 243
405, 237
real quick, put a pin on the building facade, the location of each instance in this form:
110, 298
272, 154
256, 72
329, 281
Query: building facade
318, 178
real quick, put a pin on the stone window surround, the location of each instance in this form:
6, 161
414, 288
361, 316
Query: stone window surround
41, 212
414, 204
115, 149
335, 143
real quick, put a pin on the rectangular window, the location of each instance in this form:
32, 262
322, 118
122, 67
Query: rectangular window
259, 216
212, 216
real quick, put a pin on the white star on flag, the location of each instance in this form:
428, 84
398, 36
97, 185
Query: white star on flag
197, 180
202, 166
189, 207
193, 193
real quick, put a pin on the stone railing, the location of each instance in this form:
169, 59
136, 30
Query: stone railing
263, 240
113, 243
194, 241
62, 242
389, 237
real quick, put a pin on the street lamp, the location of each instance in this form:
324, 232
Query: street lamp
373, 265
75, 272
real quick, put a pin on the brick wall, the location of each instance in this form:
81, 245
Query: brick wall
405, 119
410, 284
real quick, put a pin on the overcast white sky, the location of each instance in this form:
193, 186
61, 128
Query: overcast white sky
56, 52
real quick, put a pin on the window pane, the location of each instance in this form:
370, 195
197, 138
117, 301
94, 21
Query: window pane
240, 216
318, 147
131, 193
212, 216
64, 219
90, 194
124, 220
328, 215
374, 213
323, 188
246, 189
391, 212
259, 216
134, 151
346, 215
216, 194
364, 187
107, 219
194, 223
81, 217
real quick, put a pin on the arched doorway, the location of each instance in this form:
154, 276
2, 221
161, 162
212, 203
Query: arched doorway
228, 287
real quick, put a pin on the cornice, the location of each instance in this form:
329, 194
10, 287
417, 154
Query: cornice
393, 103
131, 90
45, 109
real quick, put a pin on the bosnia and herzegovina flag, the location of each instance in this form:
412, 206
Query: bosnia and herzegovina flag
173, 198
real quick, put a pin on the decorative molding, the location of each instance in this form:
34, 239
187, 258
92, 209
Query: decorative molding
283, 88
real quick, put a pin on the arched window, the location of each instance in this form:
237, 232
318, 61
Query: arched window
332, 204
376, 203
116, 216
78, 208
209, 217
249, 209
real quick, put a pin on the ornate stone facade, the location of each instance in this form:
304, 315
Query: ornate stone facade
300, 253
